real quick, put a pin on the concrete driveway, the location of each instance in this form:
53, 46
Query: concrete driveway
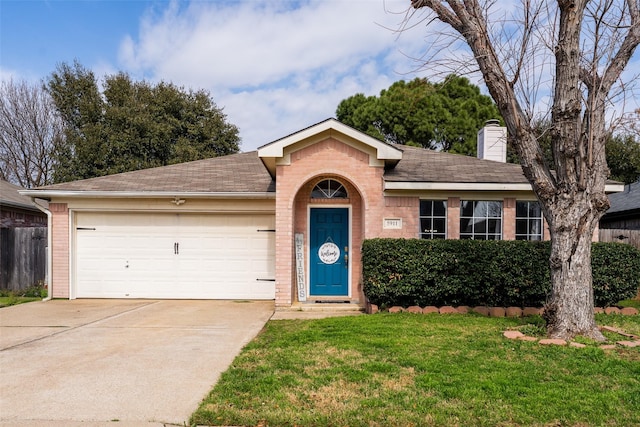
118, 363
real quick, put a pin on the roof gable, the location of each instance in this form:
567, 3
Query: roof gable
277, 152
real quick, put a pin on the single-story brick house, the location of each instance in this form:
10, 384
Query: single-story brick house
285, 222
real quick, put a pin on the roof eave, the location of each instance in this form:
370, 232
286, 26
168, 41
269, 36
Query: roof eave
16, 205
456, 186
146, 194
473, 186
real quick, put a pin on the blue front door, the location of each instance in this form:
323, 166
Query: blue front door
329, 252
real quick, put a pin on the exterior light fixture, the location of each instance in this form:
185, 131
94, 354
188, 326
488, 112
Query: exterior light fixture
178, 201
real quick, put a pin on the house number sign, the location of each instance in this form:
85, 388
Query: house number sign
329, 253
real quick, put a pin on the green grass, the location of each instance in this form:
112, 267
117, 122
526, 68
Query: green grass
423, 370
32, 293
635, 303
13, 300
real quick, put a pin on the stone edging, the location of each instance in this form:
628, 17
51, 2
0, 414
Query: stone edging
491, 311
633, 340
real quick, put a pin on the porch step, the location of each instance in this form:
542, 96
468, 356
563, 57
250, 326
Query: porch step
314, 310
328, 306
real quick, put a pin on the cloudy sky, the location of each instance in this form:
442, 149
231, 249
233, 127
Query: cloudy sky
275, 66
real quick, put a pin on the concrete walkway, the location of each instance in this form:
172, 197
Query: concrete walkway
118, 363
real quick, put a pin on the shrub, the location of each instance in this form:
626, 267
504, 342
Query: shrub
616, 272
494, 273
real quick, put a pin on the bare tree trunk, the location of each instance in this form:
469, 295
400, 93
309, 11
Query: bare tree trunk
569, 311
589, 53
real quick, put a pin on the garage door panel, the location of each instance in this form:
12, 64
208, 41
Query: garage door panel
134, 256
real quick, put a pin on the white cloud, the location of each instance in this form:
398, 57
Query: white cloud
274, 66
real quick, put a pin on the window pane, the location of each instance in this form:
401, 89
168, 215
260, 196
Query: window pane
425, 225
494, 209
465, 225
329, 189
426, 207
439, 225
528, 221
480, 209
466, 208
536, 226
535, 210
433, 219
521, 209
521, 226
494, 226
439, 208
481, 219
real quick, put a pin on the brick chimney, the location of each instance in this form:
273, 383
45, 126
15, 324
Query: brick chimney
492, 142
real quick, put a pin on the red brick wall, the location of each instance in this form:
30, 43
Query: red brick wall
509, 219
363, 182
60, 251
453, 218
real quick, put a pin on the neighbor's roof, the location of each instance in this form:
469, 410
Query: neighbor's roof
236, 173
627, 200
9, 196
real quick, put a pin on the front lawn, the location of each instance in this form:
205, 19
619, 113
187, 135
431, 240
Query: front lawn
423, 370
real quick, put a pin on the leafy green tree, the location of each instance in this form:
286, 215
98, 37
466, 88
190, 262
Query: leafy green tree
443, 116
623, 158
132, 125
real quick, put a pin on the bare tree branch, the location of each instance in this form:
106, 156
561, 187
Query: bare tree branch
30, 129
581, 48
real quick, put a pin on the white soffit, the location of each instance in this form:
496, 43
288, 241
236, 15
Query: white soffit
475, 186
145, 194
456, 186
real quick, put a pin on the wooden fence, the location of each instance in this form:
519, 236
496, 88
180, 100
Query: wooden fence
631, 237
23, 257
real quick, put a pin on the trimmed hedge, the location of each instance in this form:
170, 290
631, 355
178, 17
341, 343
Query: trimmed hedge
408, 272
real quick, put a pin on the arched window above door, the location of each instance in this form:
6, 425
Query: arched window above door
329, 189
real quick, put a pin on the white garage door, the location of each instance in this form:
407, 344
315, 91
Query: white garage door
155, 255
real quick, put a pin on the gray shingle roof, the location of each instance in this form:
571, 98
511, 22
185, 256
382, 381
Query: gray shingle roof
235, 173
9, 196
246, 173
627, 200
422, 165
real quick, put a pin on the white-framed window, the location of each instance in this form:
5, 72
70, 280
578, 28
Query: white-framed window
480, 220
329, 189
528, 220
433, 219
